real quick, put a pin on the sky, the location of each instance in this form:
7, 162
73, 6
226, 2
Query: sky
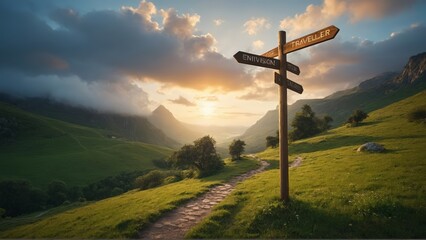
132, 56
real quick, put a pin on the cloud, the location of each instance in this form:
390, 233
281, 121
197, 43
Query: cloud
124, 97
208, 98
319, 16
254, 25
218, 22
183, 101
258, 44
356, 60
263, 89
359, 10
103, 47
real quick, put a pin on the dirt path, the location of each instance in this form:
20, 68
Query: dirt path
176, 223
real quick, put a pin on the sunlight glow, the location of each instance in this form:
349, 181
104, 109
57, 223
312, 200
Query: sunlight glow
207, 109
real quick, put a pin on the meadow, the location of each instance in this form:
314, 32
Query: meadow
43, 149
337, 192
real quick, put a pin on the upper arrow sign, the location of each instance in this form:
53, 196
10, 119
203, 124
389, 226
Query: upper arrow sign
320, 36
252, 59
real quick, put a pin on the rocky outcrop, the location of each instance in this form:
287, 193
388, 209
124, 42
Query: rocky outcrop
371, 147
415, 70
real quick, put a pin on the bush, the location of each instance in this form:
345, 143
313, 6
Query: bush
150, 180
2, 212
417, 115
272, 141
160, 163
356, 117
19, 197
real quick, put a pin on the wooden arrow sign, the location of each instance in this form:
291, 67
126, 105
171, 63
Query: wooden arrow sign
293, 68
252, 59
256, 60
320, 36
290, 84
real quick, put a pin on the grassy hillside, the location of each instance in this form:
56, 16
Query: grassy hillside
120, 216
41, 149
337, 192
339, 106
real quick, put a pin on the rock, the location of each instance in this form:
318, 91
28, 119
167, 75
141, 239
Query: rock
371, 147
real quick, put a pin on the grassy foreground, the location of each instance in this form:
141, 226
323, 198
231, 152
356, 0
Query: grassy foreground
124, 215
44, 149
337, 192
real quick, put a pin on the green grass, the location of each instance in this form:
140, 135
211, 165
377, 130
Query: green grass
46, 149
337, 192
124, 215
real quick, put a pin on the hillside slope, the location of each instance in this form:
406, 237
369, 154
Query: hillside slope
370, 95
337, 192
135, 128
124, 215
41, 149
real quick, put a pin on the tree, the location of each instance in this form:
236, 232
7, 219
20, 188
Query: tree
207, 160
357, 117
272, 141
324, 124
201, 156
236, 149
306, 124
57, 192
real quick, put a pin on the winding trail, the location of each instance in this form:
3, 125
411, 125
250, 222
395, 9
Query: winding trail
176, 223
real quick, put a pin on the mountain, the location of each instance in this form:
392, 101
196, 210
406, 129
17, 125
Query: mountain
163, 119
369, 95
136, 128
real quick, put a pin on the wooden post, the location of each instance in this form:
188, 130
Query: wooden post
283, 131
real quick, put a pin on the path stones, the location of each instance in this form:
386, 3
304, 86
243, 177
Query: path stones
176, 223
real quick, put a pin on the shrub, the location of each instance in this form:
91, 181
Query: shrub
417, 115
356, 117
150, 180
272, 141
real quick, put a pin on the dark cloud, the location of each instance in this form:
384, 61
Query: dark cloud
183, 101
106, 45
110, 47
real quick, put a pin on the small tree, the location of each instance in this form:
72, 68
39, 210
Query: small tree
272, 141
207, 160
357, 117
304, 124
201, 156
324, 124
236, 149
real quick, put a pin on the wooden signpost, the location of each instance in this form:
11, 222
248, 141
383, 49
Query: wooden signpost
261, 61
268, 60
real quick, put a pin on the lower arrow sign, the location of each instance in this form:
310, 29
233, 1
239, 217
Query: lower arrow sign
290, 84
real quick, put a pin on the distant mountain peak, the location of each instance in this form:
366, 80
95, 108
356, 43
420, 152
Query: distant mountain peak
162, 111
